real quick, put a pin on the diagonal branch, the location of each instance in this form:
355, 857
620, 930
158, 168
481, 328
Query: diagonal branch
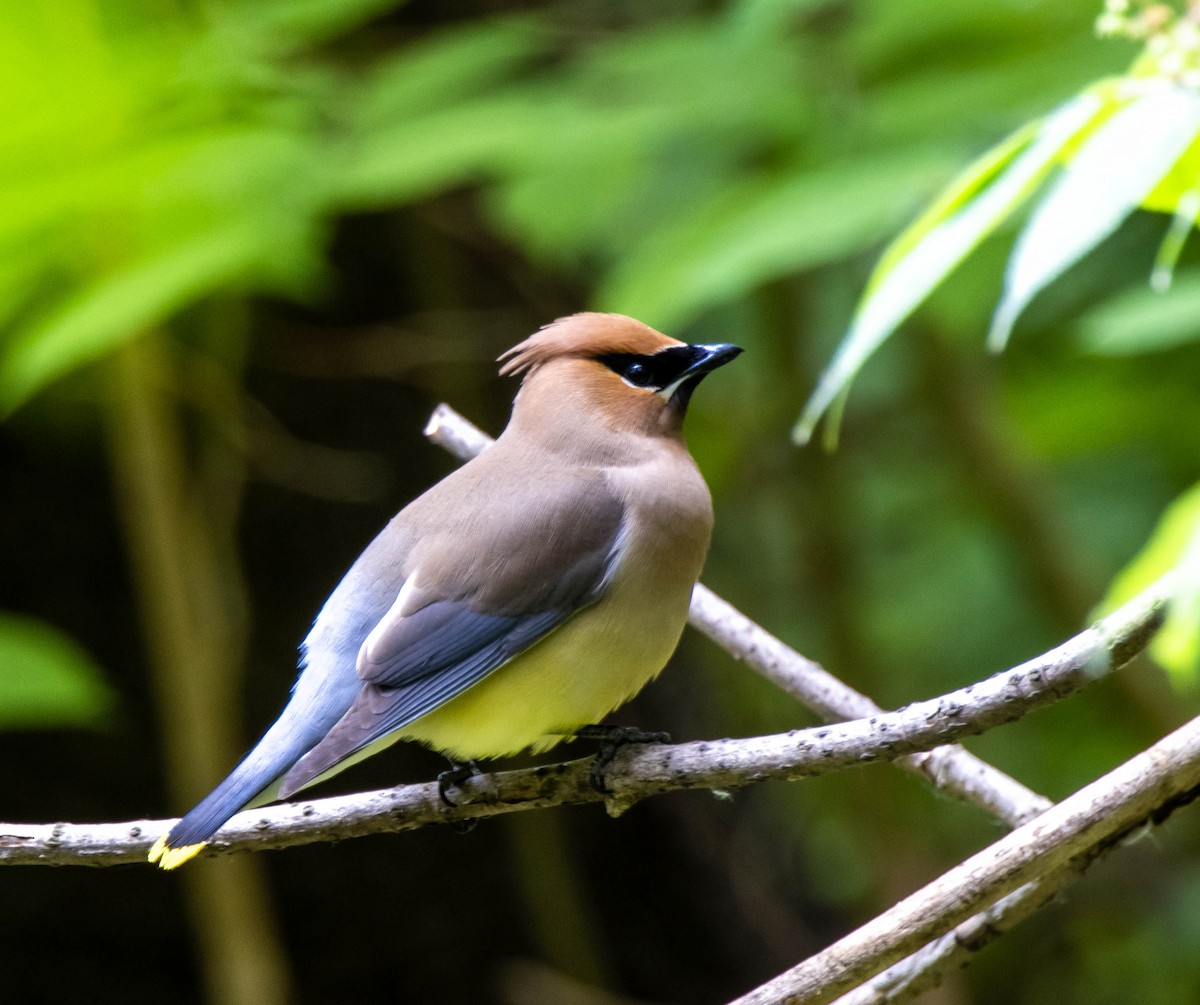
638, 771
951, 769
928, 966
1147, 787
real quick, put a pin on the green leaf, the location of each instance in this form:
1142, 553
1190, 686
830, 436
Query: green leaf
765, 230
435, 151
297, 21
443, 71
960, 191
1106, 179
1144, 320
46, 679
1175, 544
1177, 183
118, 307
921, 257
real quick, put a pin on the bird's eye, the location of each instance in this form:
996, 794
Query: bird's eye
637, 374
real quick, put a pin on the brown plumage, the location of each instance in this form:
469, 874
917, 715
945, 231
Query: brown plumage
527, 594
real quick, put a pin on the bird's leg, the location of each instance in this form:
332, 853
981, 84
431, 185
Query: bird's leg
612, 739
457, 773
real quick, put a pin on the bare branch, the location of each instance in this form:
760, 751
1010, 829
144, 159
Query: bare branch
928, 966
637, 771
456, 434
951, 769
1146, 787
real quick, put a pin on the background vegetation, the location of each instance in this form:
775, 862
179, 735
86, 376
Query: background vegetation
246, 246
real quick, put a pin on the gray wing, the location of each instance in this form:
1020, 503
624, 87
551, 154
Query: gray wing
519, 583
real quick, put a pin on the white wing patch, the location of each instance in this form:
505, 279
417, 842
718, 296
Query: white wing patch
369, 653
616, 555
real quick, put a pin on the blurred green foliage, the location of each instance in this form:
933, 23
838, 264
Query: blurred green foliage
154, 158
1174, 547
724, 170
1123, 143
46, 679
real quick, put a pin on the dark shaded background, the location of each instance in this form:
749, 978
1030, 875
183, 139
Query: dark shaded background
977, 509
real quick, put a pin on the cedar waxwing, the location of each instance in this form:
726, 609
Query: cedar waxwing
524, 596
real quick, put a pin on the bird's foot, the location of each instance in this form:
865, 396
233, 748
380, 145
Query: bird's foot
612, 739
452, 777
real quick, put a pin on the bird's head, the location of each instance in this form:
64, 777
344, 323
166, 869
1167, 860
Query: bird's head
612, 369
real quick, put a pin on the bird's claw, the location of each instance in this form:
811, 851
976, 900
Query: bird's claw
454, 776
612, 739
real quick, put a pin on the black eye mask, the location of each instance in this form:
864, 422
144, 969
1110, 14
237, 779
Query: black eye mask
659, 370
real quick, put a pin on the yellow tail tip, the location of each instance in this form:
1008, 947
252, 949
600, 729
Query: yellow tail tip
172, 858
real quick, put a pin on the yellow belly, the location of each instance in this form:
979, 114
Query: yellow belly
575, 676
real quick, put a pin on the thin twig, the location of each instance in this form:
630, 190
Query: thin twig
642, 771
928, 966
952, 769
1147, 787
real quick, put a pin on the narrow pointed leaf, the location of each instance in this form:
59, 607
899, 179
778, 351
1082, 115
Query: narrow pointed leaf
961, 191
920, 258
118, 307
1186, 212
765, 230
1107, 178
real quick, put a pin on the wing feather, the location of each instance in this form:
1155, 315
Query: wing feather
431, 647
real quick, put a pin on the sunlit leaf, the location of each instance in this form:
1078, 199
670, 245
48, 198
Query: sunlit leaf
444, 70
1175, 544
1177, 183
972, 207
764, 231
960, 191
116, 308
1105, 180
46, 679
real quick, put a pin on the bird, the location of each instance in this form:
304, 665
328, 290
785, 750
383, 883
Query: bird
520, 599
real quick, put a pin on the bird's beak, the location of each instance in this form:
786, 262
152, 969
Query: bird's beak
709, 358
703, 360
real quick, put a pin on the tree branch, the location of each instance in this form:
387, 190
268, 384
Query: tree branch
928, 966
637, 771
951, 769
1147, 787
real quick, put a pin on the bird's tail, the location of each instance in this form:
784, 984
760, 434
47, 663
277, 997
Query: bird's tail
319, 699
254, 781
